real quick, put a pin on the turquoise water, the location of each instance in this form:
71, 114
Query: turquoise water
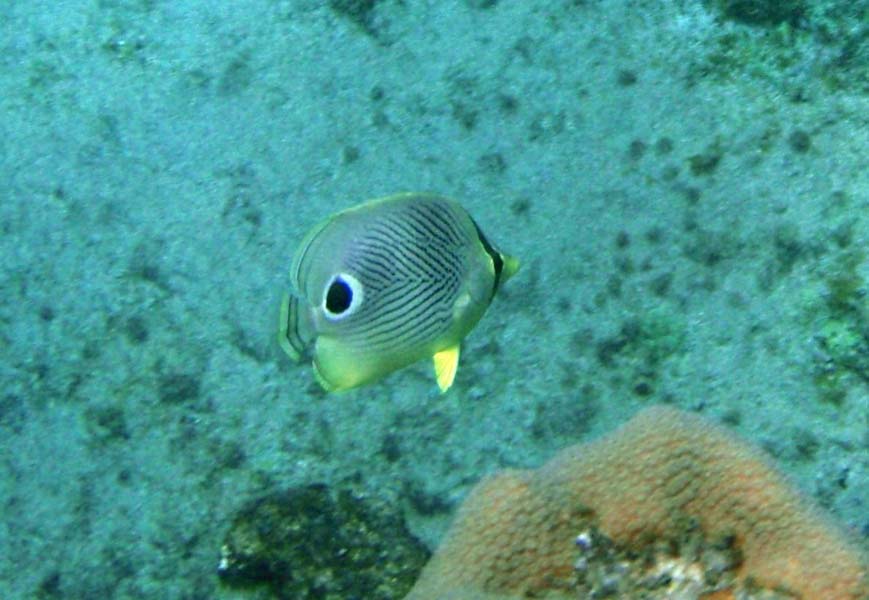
686, 185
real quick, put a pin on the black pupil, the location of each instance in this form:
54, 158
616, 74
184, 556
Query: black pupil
339, 297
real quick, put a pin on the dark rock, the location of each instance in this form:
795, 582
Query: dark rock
311, 543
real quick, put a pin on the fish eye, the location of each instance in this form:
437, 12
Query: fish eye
339, 296
342, 296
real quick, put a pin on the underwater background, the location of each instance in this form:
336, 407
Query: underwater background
686, 184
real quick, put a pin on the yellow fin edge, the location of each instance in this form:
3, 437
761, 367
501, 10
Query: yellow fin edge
446, 363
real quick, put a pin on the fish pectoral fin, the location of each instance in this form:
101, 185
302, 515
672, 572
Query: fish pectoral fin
446, 363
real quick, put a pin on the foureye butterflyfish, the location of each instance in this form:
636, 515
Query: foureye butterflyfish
387, 283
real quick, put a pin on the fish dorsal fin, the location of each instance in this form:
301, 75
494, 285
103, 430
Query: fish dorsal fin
446, 362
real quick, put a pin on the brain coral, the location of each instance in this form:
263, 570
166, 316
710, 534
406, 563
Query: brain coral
514, 536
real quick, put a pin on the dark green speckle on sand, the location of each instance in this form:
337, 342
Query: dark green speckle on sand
311, 542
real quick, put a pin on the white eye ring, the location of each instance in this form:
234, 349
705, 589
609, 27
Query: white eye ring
342, 296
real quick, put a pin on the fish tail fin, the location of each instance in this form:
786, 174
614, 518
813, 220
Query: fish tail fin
511, 266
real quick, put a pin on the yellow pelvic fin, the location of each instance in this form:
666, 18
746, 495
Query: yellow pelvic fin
446, 363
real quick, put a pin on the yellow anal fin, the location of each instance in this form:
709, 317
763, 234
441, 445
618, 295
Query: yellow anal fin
446, 363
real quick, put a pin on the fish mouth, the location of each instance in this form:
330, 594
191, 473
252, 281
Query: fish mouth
290, 326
